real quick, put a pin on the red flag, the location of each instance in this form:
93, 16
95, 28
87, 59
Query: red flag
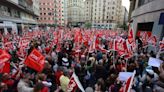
128, 85
23, 43
74, 84
120, 46
161, 45
153, 40
4, 56
144, 36
78, 36
9, 45
35, 60
131, 36
5, 67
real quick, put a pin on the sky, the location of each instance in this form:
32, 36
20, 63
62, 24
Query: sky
126, 3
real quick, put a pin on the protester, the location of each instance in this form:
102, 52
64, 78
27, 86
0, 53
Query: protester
71, 60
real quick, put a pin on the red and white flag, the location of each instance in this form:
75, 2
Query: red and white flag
131, 36
128, 84
153, 40
161, 46
74, 84
35, 60
120, 46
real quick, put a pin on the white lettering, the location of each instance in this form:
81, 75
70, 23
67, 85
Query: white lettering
34, 57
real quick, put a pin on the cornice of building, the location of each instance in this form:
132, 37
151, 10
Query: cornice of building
10, 3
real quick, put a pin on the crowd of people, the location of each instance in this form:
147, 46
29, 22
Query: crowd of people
97, 70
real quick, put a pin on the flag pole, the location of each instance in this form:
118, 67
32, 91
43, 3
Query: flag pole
131, 81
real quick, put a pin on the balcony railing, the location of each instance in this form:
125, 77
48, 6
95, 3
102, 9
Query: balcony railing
24, 4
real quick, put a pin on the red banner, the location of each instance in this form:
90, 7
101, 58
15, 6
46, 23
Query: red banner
4, 56
120, 46
35, 60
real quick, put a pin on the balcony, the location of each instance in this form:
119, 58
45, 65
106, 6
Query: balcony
18, 6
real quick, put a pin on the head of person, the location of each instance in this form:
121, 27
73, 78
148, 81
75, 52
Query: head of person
99, 86
39, 87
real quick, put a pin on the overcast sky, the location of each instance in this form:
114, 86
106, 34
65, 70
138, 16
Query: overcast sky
126, 3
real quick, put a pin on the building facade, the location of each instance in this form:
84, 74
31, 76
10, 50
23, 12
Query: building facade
148, 16
47, 12
88, 10
61, 12
75, 12
18, 15
124, 16
103, 13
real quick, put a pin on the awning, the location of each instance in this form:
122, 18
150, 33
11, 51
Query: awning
17, 20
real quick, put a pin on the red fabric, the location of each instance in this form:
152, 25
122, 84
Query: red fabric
5, 68
35, 60
4, 56
120, 46
153, 40
130, 36
9, 82
128, 84
45, 89
78, 36
144, 36
72, 86
47, 50
58, 74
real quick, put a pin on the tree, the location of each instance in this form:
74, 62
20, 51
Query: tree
88, 25
124, 26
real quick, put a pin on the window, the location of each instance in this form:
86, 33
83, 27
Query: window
113, 8
49, 13
44, 13
107, 17
44, 18
40, 13
141, 2
48, 8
